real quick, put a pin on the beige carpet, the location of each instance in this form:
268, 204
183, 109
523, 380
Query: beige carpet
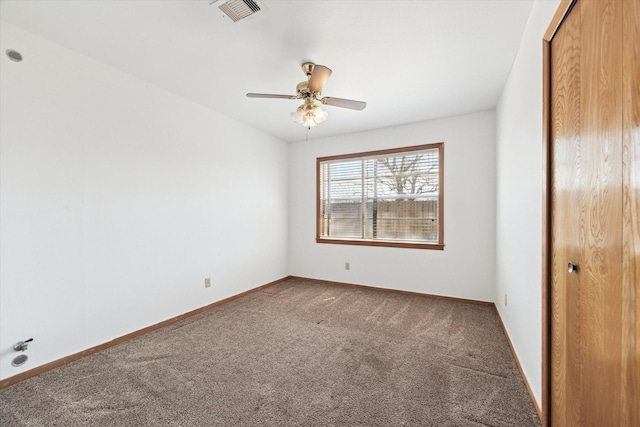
296, 354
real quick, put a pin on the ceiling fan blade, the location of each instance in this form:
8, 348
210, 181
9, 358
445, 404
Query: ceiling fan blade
319, 77
268, 95
344, 103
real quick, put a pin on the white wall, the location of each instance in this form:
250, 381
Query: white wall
519, 197
466, 267
118, 199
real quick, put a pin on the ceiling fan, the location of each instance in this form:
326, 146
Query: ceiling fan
309, 114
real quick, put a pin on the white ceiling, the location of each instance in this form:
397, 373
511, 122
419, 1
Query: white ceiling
409, 60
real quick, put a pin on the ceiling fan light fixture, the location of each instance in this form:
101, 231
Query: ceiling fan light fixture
309, 115
319, 114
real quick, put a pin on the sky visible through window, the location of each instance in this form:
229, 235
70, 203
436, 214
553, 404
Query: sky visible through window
389, 177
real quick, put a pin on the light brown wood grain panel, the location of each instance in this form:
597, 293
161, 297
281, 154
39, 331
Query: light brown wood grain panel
631, 216
605, 389
565, 183
601, 211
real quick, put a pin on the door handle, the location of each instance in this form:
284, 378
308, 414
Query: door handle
573, 268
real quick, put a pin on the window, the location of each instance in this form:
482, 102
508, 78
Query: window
382, 198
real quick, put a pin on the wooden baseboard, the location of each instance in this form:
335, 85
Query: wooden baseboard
524, 378
7, 382
395, 291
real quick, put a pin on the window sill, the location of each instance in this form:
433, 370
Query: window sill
385, 243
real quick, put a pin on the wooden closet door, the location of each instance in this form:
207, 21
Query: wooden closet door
587, 366
601, 212
565, 226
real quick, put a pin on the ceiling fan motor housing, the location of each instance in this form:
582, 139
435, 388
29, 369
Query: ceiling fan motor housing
302, 87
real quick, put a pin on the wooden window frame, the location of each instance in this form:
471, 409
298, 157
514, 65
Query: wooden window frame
386, 243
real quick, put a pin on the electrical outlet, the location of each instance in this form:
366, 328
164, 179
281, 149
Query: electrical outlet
505, 300
347, 266
207, 282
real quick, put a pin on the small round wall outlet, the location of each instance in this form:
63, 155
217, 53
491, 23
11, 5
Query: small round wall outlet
20, 360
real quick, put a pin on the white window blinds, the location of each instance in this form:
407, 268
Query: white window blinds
387, 196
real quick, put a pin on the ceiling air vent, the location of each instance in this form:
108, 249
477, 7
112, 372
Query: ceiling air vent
239, 9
